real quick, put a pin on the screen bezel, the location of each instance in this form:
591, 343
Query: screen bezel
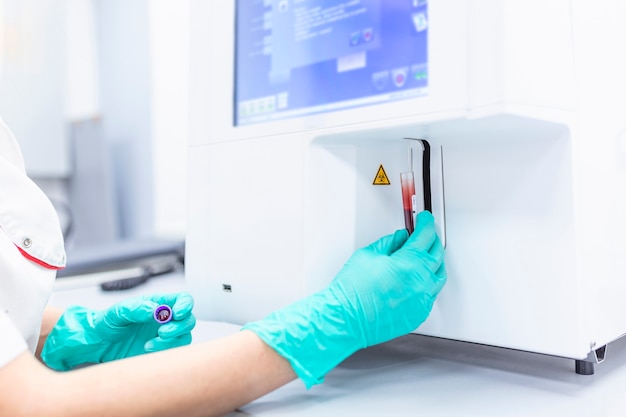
212, 71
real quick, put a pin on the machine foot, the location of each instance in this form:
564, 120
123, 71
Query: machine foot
584, 367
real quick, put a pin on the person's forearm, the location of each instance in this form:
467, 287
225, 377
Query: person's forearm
207, 379
50, 317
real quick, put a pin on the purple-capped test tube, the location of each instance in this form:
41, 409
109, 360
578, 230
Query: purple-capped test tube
163, 314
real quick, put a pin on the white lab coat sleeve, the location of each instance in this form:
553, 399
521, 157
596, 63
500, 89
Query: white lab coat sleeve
29, 219
26, 214
31, 250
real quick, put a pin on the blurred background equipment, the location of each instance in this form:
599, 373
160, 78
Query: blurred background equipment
96, 94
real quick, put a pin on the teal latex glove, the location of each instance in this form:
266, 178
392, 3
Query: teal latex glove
126, 329
385, 290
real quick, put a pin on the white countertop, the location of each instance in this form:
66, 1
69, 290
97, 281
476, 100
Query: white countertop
420, 376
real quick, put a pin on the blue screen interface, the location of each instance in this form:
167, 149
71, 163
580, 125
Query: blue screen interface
300, 57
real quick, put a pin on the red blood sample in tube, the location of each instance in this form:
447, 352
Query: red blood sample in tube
407, 183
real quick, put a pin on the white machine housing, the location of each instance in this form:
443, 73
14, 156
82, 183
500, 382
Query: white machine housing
527, 104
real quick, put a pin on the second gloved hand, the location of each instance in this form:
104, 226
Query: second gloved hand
385, 290
126, 329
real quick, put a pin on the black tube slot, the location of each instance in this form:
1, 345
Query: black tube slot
428, 202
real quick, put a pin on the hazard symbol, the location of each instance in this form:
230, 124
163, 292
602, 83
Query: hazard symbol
381, 177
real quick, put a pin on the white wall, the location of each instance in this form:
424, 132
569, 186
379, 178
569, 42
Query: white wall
81, 61
143, 57
120, 66
125, 100
169, 35
32, 82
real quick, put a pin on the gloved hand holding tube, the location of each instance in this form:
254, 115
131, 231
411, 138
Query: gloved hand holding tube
384, 291
126, 329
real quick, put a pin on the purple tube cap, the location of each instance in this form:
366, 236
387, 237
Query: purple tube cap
163, 314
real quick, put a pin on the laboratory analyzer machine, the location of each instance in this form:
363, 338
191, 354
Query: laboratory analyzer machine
508, 114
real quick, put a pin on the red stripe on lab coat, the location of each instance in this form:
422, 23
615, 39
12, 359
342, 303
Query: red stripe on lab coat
37, 261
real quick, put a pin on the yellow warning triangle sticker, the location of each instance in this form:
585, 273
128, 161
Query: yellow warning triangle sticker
381, 177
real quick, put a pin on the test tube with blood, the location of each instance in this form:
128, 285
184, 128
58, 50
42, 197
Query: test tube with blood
163, 314
407, 182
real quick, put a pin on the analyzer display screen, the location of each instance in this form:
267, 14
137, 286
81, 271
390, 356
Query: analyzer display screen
301, 57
